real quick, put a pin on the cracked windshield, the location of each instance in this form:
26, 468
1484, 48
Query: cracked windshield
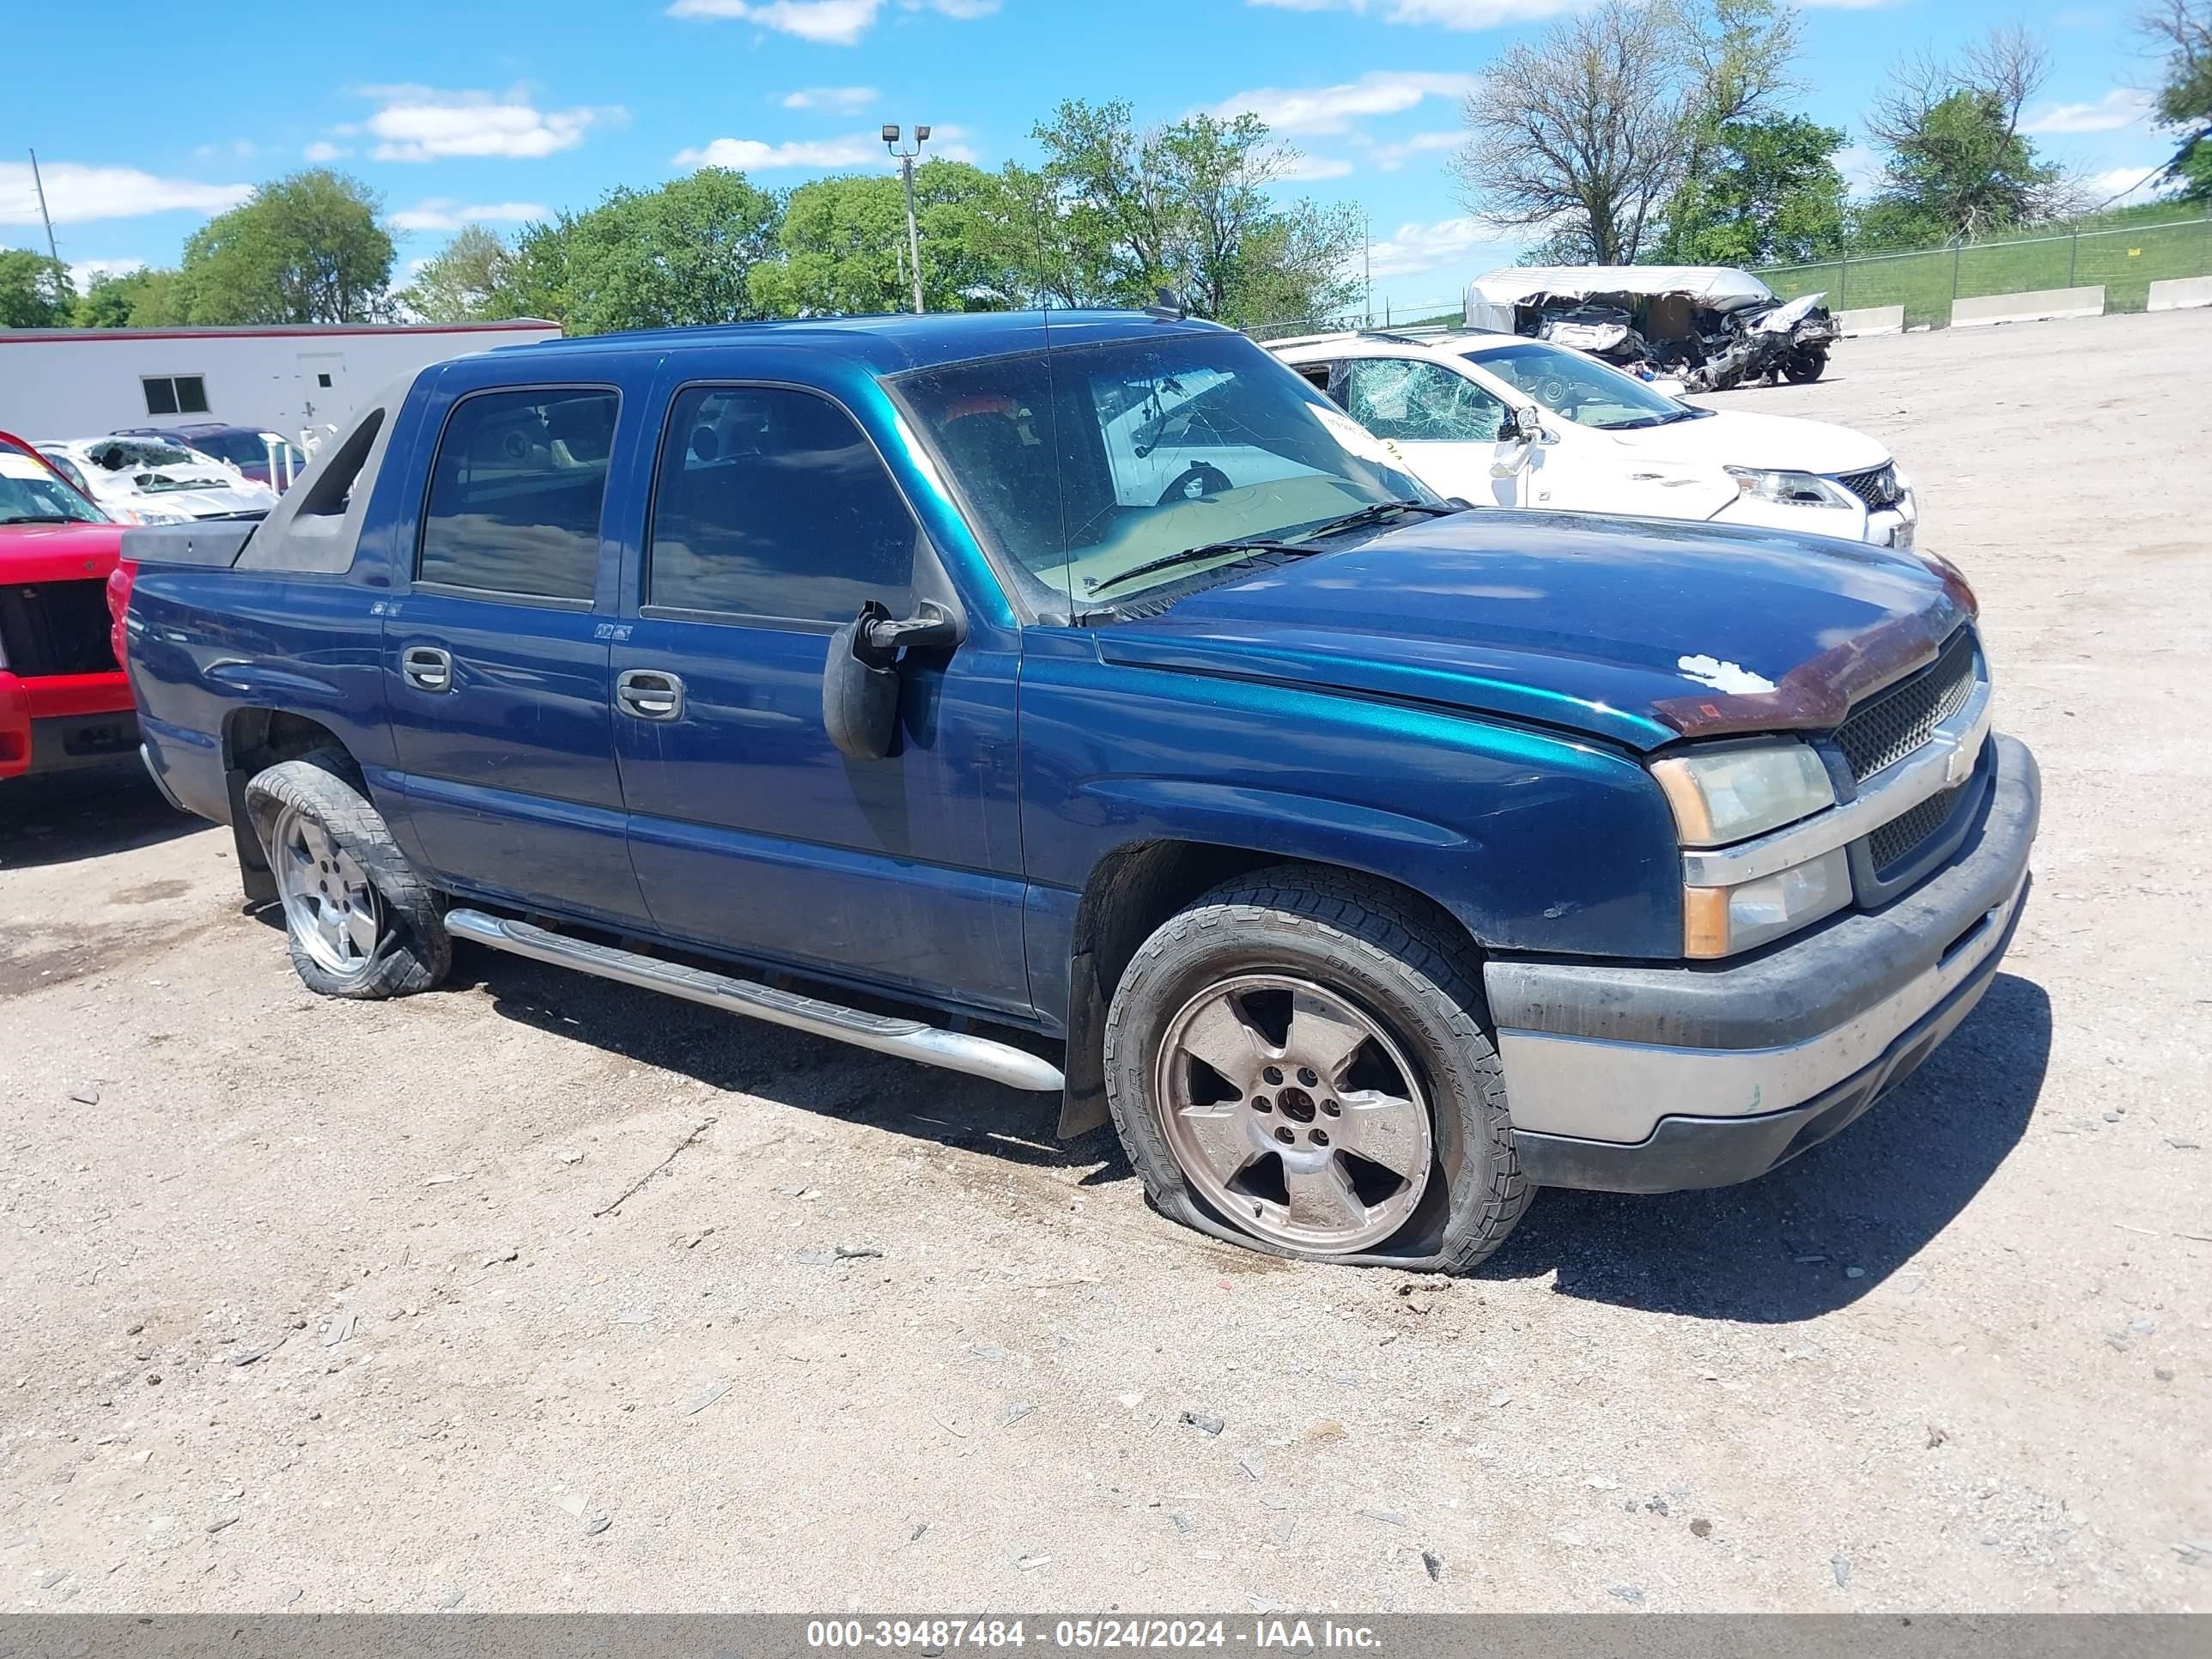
1102, 473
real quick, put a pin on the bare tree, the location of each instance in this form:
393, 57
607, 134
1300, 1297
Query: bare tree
1580, 132
2010, 64
1739, 56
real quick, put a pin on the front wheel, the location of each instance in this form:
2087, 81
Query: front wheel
1806, 366
1297, 1063
359, 922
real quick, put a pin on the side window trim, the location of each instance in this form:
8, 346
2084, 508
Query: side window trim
415, 582
929, 580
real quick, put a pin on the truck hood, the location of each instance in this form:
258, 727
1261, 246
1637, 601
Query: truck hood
1729, 437
58, 552
1639, 631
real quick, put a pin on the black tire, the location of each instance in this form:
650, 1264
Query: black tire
1806, 367
1380, 950
412, 949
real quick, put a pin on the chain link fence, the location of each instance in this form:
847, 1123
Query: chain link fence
2123, 260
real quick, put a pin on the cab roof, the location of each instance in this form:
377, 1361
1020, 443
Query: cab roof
893, 344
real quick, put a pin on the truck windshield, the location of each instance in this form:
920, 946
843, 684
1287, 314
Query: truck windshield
1093, 467
31, 494
1580, 388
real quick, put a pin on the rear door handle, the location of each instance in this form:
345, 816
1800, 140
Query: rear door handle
427, 668
649, 694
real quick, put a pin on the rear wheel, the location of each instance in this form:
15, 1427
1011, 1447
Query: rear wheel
358, 920
1297, 1063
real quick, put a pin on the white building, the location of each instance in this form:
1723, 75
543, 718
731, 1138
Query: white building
82, 382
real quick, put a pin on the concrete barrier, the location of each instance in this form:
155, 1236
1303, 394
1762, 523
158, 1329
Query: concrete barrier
2179, 293
2039, 304
1874, 319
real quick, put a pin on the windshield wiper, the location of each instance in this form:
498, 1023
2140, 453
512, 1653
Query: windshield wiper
37, 518
1210, 551
1376, 514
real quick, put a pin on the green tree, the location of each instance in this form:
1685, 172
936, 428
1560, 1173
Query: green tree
307, 248
2179, 33
137, 299
1957, 162
1123, 213
682, 255
35, 291
460, 282
1767, 191
843, 243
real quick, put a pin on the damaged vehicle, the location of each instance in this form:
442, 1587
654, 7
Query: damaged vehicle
1497, 419
1366, 860
1710, 326
156, 480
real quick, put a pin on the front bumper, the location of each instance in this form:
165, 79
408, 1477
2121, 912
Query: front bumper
1656, 1079
1894, 526
62, 722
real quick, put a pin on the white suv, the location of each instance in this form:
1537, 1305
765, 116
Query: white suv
1520, 422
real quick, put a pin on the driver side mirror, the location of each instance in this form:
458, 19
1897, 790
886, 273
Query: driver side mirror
860, 679
1524, 423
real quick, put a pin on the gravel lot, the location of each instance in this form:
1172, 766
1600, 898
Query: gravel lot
342, 1307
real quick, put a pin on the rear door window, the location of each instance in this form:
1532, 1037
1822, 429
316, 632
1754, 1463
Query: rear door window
516, 492
772, 502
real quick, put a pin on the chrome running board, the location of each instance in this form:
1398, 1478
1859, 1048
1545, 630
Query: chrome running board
910, 1039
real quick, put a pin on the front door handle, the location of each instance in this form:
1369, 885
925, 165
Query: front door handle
427, 668
649, 694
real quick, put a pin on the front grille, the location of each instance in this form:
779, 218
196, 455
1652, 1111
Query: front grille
1877, 487
1902, 837
55, 628
1898, 721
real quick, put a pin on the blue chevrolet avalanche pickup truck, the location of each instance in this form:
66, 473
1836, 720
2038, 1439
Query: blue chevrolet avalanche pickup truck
1082, 702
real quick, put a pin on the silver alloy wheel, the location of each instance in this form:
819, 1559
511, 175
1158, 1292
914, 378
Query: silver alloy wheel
330, 909
1325, 1145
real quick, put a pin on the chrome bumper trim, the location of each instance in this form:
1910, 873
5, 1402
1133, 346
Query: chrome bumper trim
1618, 1091
1947, 758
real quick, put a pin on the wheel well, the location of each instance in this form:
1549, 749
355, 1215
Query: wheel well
255, 739
1133, 890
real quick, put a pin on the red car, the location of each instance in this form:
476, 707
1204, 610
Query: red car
64, 702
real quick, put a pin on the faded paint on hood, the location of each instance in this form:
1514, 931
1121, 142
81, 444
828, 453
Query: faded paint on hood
1728, 437
1639, 631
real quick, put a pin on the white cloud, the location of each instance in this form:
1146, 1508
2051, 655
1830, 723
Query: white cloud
323, 150
422, 123
443, 213
1861, 168
2123, 106
829, 22
85, 272
844, 99
2126, 186
1418, 247
1309, 167
1334, 109
856, 149
78, 194
1389, 157
1444, 13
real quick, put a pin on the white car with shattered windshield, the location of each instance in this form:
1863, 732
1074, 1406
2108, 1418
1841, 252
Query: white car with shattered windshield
153, 481
1500, 419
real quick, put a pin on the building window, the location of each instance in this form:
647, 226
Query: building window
175, 394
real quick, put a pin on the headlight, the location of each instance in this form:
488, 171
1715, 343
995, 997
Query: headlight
154, 515
1790, 489
1719, 921
1721, 795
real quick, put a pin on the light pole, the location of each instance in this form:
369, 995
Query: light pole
906, 172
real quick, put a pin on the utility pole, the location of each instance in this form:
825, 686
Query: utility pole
40, 184
1366, 269
906, 172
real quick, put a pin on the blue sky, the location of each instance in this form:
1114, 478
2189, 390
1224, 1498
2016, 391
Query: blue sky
455, 110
